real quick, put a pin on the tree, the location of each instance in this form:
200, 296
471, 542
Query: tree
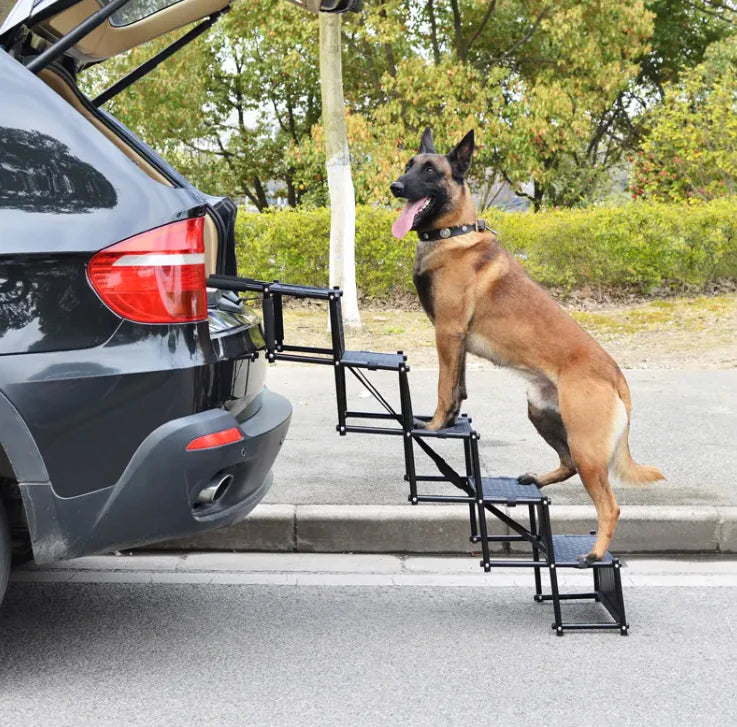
690, 151
682, 31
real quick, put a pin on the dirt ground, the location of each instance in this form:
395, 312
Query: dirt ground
691, 333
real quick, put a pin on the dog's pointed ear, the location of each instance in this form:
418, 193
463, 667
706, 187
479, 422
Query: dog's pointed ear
427, 145
460, 157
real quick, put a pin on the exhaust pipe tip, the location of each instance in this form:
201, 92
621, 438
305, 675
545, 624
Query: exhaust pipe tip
214, 491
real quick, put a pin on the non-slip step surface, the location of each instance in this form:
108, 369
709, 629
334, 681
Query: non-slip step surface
567, 548
460, 430
373, 360
507, 490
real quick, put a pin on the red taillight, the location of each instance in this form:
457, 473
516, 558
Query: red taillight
226, 436
155, 277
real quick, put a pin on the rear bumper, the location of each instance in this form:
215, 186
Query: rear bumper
154, 499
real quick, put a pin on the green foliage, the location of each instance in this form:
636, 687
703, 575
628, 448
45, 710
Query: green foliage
227, 106
641, 246
292, 245
691, 148
534, 79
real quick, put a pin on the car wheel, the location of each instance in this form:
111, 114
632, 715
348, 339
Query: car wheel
5, 552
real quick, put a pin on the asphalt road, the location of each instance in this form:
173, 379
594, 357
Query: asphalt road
161, 646
684, 422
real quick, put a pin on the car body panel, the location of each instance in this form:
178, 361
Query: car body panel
39, 295
153, 498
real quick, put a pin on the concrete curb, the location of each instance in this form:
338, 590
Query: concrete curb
444, 529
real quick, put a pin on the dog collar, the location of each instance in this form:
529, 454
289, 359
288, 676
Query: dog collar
445, 232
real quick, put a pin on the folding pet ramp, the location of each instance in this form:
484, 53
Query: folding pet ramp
483, 496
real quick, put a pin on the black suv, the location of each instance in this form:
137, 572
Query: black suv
132, 399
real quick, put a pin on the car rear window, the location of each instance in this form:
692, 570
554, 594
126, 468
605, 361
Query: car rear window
136, 10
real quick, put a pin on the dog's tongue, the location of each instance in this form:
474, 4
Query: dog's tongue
403, 223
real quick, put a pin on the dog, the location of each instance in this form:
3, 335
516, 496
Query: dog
480, 299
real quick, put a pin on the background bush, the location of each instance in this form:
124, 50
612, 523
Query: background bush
641, 246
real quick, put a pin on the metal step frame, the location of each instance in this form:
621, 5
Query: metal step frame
484, 496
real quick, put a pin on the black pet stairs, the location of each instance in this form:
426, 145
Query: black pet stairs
483, 496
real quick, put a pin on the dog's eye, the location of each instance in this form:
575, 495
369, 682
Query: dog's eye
429, 171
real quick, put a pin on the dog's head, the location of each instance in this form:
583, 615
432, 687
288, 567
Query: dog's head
432, 184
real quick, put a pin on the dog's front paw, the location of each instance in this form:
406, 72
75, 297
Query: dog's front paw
586, 561
418, 423
436, 424
528, 479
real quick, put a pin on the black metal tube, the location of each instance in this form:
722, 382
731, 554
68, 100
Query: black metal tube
405, 400
472, 519
302, 359
299, 349
267, 309
151, 63
589, 627
439, 434
371, 415
535, 549
444, 498
239, 285
476, 475
372, 430
341, 397
547, 537
37, 64
304, 291
518, 564
337, 334
279, 321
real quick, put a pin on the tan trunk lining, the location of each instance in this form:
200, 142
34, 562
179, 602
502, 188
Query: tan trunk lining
107, 40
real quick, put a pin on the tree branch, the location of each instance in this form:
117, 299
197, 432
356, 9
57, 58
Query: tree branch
525, 38
482, 25
434, 31
508, 180
458, 29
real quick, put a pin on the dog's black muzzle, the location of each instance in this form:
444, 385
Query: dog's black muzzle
397, 189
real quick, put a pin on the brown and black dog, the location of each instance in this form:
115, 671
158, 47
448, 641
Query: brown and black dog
480, 299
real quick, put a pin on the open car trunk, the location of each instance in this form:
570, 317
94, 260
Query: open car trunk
133, 23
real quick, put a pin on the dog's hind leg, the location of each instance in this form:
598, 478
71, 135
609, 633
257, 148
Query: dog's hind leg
549, 425
591, 413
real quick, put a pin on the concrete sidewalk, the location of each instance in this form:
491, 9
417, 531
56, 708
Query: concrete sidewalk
335, 494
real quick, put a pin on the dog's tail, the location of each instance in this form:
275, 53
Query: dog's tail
621, 465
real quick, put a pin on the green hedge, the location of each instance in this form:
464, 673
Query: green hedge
642, 246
